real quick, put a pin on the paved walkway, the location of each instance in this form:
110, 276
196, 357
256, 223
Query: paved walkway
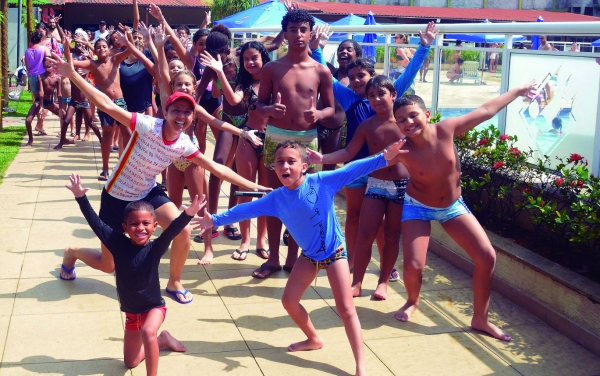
236, 324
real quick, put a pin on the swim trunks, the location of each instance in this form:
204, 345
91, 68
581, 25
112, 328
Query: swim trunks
414, 210
66, 100
359, 182
105, 119
389, 190
340, 253
258, 150
84, 105
135, 321
274, 135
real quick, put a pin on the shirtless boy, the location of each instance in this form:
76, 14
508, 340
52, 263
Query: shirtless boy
48, 82
385, 190
289, 89
107, 77
433, 193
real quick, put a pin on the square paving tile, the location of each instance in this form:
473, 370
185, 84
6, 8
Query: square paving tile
58, 367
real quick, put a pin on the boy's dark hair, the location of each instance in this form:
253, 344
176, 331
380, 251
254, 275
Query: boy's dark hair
297, 15
362, 63
100, 40
408, 100
244, 79
460, 61
381, 82
557, 123
199, 34
134, 32
184, 28
41, 25
357, 47
36, 37
218, 40
138, 206
293, 145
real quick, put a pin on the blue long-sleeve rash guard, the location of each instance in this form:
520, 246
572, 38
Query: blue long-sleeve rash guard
308, 211
358, 109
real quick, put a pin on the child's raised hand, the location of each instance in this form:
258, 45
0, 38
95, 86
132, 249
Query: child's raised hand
202, 223
58, 66
321, 31
120, 38
253, 138
277, 109
428, 37
155, 12
312, 114
143, 29
159, 36
313, 157
75, 186
207, 60
195, 207
394, 150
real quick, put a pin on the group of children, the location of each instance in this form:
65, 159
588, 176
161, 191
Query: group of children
276, 113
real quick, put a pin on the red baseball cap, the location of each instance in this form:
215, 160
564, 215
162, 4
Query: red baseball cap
180, 95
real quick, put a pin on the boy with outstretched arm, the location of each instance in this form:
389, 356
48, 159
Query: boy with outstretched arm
136, 266
385, 190
288, 93
314, 225
434, 193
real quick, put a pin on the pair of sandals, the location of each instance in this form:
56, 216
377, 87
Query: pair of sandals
241, 255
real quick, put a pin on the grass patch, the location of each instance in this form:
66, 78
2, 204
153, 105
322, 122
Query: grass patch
19, 107
10, 139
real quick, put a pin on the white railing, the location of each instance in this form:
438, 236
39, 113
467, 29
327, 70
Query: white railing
591, 29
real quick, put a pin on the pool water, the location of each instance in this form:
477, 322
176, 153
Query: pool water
456, 112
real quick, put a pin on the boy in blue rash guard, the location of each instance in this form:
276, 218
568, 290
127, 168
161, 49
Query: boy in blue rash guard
314, 225
354, 101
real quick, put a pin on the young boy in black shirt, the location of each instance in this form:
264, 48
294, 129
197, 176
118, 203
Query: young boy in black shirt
136, 267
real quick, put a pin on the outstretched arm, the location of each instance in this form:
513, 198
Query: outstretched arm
487, 110
226, 173
182, 52
227, 127
408, 76
101, 100
342, 155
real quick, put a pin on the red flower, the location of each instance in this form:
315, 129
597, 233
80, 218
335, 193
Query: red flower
559, 182
514, 152
527, 189
483, 141
461, 136
504, 137
572, 184
575, 157
580, 184
498, 165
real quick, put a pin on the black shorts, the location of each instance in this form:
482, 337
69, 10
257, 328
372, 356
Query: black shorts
105, 119
112, 209
209, 103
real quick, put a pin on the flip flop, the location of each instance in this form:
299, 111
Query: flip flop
230, 232
287, 268
286, 235
240, 253
103, 176
200, 238
69, 271
394, 275
260, 252
41, 133
264, 267
177, 292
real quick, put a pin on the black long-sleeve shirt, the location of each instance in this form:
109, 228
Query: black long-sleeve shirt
136, 266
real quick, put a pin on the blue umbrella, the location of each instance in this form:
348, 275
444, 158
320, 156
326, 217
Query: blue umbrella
267, 14
369, 52
596, 43
350, 19
535, 39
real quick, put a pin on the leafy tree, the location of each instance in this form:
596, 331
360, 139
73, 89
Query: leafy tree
223, 8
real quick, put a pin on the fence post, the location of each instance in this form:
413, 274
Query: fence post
508, 42
386, 55
437, 58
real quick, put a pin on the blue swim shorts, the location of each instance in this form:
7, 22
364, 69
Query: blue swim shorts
389, 190
414, 210
359, 182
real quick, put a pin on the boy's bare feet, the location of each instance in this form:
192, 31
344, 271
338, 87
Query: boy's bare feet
68, 261
306, 345
167, 341
380, 292
490, 329
61, 144
207, 258
356, 290
86, 138
30, 142
404, 313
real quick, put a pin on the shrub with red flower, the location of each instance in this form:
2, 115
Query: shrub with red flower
483, 141
498, 165
559, 182
504, 137
515, 152
575, 157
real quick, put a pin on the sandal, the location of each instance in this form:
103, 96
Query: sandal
265, 268
230, 232
200, 238
242, 255
103, 176
41, 133
262, 253
286, 235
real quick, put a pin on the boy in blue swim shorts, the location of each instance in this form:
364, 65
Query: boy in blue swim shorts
314, 225
434, 193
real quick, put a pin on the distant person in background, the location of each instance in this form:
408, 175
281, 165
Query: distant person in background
574, 48
51, 30
544, 45
183, 33
455, 71
520, 46
102, 31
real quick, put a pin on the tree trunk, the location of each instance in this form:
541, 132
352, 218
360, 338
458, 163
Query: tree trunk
30, 23
4, 48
